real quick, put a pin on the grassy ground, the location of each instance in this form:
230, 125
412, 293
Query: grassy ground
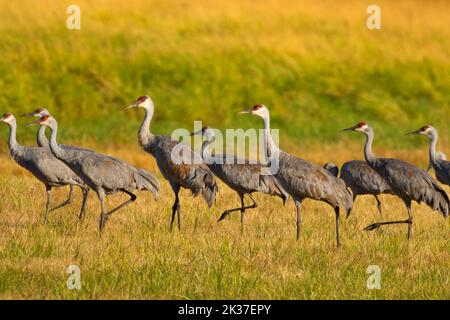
313, 63
137, 257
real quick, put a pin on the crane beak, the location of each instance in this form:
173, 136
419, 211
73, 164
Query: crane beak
413, 132
28, 114
36, 122
134, 105
350, 129
249, 111
199, 132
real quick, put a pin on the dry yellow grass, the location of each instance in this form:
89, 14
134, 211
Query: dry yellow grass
317, 67
137, 257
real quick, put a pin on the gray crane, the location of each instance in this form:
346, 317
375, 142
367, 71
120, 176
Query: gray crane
303, 179
440, 165
241, 176
407, 181
42, 141
184, 169
105, 175
41, 163
361, 179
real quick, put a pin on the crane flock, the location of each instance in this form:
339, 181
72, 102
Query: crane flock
58, 165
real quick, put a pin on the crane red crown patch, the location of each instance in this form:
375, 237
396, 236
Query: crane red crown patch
141, 99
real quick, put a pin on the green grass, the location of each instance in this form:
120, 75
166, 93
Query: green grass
316, 66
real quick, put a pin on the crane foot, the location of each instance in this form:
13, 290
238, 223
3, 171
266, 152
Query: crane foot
373, 226
224, 214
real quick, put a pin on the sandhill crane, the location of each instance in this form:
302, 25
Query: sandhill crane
187, 171
42, 141
303, 179
105, 175
441, 166
361, 179
41, 163
407, 181
240, 175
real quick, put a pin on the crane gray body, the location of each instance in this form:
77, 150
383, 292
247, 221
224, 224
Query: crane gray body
302, 179
41, 163
407, 181
105, 175
240, 175
361, 179
185, 170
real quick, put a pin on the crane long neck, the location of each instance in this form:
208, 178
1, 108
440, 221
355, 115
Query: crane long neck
12, 141
369, 156
59, 152
42, 140
270, 148
145, 136
432, 150
206, 153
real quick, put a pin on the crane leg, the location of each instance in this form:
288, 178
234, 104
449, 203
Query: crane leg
175, 207
336, 210
65, 203
101, 197
242, 212
408, 221
83, 205
120, 206
298, 204
242, 208
378, 205
104, 216
48, 189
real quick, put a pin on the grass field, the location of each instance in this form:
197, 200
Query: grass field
137, 256
315, 65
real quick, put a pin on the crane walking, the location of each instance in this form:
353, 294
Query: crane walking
182, 171
407, 181
303, 179
41, 163
105, 175
361, 179
437, 160
241, 176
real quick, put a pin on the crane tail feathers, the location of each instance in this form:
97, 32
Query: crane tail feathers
146, 181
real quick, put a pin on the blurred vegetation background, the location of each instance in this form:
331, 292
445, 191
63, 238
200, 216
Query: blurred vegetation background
313, 63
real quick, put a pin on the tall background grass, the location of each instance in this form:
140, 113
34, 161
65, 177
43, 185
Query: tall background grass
314, 63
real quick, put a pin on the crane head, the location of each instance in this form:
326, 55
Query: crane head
142, 102
206, 132
39, 112
7, 118
361, 127
259, 110
45, 120
425, 130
